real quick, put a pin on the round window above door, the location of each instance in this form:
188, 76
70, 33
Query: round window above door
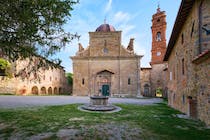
105, 50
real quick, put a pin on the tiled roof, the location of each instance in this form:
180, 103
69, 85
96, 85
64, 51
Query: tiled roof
105, 28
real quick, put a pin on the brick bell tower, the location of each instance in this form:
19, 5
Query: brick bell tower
158, 37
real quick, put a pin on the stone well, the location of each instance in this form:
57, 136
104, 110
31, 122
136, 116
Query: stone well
99, 103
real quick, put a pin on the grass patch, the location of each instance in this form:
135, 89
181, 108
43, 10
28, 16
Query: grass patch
6, 94
155, 122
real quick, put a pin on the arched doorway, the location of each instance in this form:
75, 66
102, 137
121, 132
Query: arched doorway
2, 72
103, 83
55, 90
60, 90
43, 90
50, 90
35, 90
146, 90
159, 92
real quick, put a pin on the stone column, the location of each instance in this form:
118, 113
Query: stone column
138, 79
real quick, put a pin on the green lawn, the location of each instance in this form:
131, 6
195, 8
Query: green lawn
132, 122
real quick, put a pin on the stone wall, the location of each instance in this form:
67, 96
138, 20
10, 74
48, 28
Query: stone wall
121, 69
81, 73
202, 72
104, 40
129, 70
145, 81
158, 78
43, 81
7, 85
188, 71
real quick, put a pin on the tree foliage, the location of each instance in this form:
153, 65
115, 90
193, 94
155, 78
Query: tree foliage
69, 78
34, 27
5, 67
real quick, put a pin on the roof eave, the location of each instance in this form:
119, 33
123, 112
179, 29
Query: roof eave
184, 10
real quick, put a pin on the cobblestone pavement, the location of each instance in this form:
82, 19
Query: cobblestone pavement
29, 101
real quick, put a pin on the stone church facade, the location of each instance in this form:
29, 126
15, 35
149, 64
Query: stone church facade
105, 67
188, 56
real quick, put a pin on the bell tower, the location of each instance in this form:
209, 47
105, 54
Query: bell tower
158, 37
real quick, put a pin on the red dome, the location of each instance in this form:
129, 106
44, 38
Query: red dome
105, 28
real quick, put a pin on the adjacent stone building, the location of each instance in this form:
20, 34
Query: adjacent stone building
42, 81
188, 56
105, 67
145, 81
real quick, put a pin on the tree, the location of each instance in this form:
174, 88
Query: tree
69, 78
34, 27
5, 68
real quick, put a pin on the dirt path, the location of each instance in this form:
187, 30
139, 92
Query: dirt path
29, 101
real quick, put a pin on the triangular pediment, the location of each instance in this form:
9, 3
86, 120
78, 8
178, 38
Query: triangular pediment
104, 72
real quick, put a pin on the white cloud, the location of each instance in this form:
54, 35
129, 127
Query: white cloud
108, 6
139, 49
120, 17
122, 20
126, 28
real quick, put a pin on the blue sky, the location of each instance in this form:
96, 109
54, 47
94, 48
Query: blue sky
132, 17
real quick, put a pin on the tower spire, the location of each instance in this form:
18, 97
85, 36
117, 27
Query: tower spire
158, 9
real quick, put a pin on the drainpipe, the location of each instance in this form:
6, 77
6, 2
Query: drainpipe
200, 27
138, 78
119, 55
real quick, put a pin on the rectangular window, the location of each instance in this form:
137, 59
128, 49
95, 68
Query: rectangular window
129, 81
183, 99
83, 81
2, 78
192, 29
182, 38
170, 75
183, 66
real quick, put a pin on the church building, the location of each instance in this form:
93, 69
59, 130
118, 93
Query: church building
158, 75
105, 67
153, 79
